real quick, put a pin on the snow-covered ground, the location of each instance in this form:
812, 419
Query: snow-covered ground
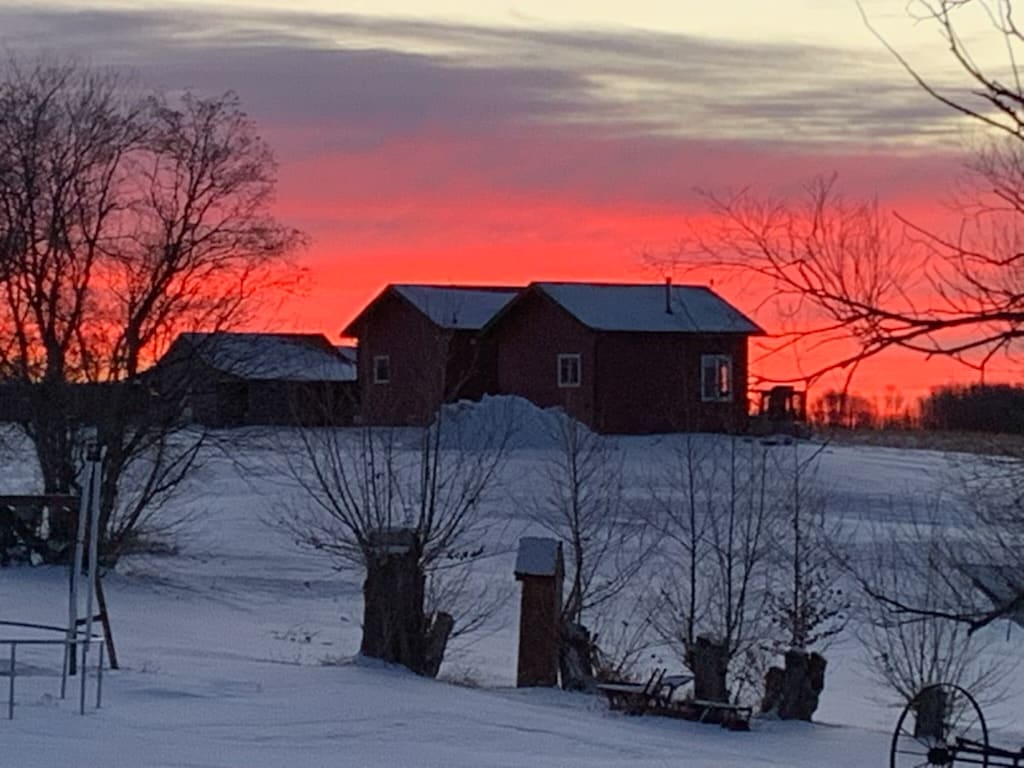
239, 651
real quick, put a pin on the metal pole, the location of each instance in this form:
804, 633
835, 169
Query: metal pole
64, 669
10, 684
99, 679
92, 572
76, 569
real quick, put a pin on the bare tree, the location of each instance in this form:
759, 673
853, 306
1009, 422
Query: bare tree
808, 603
584, 504
717, 515
864, 281
124, 218
908, 650
882, 279
403, 507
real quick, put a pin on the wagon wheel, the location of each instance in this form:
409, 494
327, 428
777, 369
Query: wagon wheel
941, 723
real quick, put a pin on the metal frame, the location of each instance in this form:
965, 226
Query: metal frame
76, 640
944, 726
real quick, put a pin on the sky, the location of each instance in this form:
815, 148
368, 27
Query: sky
497, 142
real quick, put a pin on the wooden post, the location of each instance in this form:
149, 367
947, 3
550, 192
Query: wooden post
540, 568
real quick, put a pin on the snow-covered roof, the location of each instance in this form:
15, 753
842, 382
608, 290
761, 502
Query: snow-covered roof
457, 307
537, 556
349, 353
611, 307
272, 356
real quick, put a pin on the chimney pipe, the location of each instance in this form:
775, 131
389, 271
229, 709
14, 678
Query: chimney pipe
668, 294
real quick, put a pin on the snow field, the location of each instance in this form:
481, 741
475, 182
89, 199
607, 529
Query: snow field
238, 651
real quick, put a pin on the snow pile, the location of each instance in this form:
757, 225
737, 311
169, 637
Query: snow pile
499, 420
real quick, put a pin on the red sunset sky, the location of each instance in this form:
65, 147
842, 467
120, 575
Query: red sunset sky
510, 143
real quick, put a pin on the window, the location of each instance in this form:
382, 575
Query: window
382, 369
568, 370
716, 378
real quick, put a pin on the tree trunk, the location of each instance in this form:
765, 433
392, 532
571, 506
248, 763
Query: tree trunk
436, 642
930, 714
395, 628
792, 692
708, 659
575, 657
393, 618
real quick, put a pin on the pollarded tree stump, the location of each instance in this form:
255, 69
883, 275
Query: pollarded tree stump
792, 692
930, 714
395, 628
576, 658
708, 659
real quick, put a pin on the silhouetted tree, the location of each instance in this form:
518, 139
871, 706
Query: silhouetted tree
870, 281
124, 217
847, 410
978, 407
403, 507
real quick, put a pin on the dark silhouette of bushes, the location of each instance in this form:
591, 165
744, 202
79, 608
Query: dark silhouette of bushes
997, 408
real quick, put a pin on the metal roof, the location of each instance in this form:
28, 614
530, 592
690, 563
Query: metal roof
457, 307
649, 307
272, 356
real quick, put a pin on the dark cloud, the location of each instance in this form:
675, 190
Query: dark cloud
356, 71
383, 114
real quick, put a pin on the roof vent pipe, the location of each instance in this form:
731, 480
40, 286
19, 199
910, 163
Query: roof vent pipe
668, 294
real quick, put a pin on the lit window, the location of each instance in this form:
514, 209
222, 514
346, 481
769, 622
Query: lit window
568, 370
381, 369
716, 378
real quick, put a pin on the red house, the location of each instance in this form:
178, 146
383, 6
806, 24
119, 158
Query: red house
420, 346
627, 359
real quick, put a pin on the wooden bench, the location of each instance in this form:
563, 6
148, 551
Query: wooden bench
633, 698
735, 717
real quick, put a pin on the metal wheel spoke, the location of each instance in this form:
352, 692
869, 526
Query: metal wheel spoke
942, 724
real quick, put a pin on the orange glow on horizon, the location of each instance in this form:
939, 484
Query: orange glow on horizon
435, 210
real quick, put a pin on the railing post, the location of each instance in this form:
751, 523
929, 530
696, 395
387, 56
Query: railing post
99, 678
10, 682
64, 669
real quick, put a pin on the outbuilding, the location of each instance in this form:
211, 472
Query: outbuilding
627, 358
420, 346
229, 379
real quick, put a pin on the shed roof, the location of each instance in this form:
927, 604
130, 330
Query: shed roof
272, 356
538, 556
642, 307
455, 306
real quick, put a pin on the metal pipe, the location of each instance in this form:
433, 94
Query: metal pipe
76, 569
10, 683
99, 679
64, 668
92, 569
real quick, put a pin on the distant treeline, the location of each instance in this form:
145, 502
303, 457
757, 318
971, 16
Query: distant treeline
996, 408
977, 407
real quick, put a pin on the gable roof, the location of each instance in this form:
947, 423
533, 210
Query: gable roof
642, 307
453, 307
271, 356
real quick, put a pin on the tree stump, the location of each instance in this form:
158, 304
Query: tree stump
436, 642
395, 628
930, 714
792, 692
708, 659
575, 658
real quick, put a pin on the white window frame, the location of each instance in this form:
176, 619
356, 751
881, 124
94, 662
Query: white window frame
568, 382
722, 364
377, 360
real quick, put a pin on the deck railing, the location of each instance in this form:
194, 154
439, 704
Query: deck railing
70, 645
